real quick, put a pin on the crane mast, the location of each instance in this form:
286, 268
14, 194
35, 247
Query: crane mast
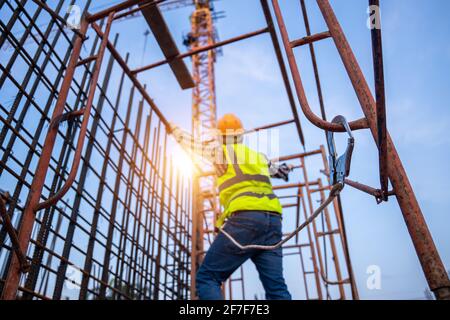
204, 119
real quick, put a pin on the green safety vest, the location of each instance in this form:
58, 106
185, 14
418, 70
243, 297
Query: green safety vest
246, 183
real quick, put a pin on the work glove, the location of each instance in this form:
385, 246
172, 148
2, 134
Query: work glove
283, 172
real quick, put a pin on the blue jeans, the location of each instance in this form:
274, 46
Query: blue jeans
223, 257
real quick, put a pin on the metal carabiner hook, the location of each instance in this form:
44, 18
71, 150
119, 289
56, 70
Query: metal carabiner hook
340, 167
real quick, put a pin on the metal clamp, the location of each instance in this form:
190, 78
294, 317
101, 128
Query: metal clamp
340, 166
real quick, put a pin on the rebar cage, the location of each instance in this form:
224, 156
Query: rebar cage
91, 204
122, 231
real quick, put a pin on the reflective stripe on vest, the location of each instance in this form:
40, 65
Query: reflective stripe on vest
271, 196
240, 176
245, 185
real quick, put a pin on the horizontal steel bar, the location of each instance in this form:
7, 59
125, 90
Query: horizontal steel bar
120, 7
201, 49
283, 69
294, 246
327, 233
87, 60
377, 193
294, 185
65, 117
270, 126
310, 39
324, 188
299, 155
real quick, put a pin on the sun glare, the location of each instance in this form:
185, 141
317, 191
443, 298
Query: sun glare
182, 162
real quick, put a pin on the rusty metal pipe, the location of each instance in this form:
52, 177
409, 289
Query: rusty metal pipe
283, 69
310, 39
294, 185
377, 193
202, 49
314, 61
269, 126
119, 7
24, 265
299, 155
377, 51
87, 60
312, 117
427, 253
13, 277
82, 135
133, 11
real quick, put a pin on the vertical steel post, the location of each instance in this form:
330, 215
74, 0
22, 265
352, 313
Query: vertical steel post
77, 157
427, 253
115, 204
377, 51
161, 219
204, 114
13, 277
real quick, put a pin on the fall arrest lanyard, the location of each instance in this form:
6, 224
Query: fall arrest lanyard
339, 170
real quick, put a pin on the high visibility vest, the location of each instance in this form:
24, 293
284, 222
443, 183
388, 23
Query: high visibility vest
246, 183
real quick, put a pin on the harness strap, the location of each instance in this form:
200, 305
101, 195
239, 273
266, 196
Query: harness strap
271, 196
240, 176
335, 190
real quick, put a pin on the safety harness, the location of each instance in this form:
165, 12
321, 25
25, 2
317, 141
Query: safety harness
339, 170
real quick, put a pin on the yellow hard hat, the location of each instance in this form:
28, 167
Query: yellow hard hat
230, 125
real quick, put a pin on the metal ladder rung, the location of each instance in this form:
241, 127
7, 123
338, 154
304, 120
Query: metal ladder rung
322, 234
87, 60
310, 39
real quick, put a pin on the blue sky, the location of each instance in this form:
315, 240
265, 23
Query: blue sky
248, 81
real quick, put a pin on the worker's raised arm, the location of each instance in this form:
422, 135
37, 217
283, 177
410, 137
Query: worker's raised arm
190, 145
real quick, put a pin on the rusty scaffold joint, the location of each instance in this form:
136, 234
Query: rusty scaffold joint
5, 199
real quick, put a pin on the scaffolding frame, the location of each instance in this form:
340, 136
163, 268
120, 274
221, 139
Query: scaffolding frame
131, 241
149, 265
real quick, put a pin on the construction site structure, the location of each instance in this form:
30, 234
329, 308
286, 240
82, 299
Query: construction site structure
91, 205
204, 119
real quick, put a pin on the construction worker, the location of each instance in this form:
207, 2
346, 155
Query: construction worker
251, 210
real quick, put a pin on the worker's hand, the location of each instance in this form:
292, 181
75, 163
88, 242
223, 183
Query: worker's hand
171, 127
283, 171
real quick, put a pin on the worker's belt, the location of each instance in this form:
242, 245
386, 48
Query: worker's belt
271, 196
271, 213
244, 177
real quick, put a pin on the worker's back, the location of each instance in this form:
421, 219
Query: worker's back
245, 186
